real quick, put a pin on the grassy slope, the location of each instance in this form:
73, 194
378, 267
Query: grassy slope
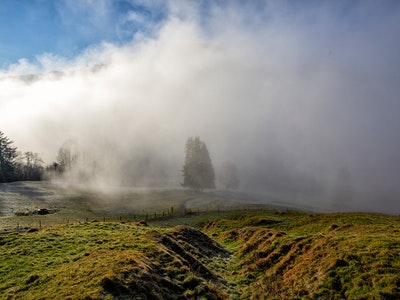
297, 255
106, 261
275, 255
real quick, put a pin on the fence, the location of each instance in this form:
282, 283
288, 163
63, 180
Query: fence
26, 224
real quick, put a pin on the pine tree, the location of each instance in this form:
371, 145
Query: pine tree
198, 171
8, 154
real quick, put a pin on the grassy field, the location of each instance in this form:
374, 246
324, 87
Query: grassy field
217, 254
69, 203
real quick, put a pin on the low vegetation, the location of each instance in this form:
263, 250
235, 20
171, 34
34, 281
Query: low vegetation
294, 255
109, 260
264, 254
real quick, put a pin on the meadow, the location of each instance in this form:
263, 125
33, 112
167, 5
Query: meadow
231, 251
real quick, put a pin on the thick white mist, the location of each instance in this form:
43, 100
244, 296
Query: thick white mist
292, 98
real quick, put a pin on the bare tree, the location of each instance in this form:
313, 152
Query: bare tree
29, 166
67, 156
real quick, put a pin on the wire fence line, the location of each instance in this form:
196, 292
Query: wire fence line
39, 222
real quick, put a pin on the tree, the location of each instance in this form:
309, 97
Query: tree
74, 162
29, 166
229, 175
198, 171
67, 156
8, 154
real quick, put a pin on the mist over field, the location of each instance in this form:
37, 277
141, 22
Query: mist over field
303, 98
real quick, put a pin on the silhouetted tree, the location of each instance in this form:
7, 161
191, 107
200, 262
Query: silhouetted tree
8, 154
67, 156
73, 162
229, 175
29, 166
198, 171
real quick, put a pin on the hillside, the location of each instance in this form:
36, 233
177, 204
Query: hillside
294, 255
264, 254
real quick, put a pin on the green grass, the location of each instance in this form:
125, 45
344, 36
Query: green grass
289, 255
270, 254
294, 255
78, 205
96, 260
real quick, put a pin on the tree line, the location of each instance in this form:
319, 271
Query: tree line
16, 165
198, 170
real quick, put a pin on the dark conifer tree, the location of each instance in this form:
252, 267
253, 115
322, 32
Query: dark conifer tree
8, 154
198, 171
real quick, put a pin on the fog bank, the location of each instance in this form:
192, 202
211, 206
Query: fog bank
304, 100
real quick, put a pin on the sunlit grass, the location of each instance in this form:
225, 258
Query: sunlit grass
89, 260
294, 255
81, 252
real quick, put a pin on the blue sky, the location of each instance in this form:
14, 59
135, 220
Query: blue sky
29, 28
